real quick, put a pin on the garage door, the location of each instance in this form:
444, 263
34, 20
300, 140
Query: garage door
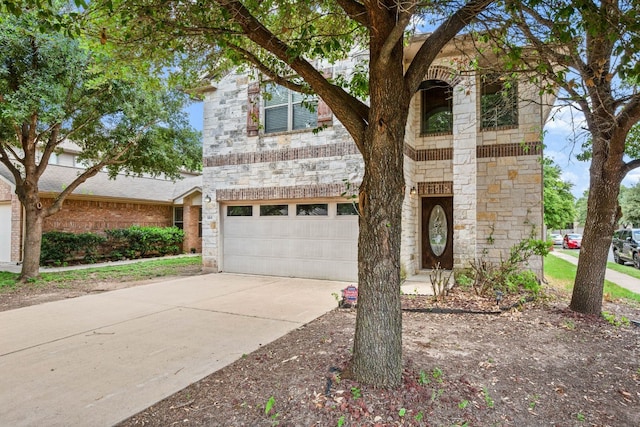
313, 239
5, 232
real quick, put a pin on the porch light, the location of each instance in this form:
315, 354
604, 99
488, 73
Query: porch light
207, 198
413, 191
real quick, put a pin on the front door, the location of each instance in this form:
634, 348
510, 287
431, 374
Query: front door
437, 232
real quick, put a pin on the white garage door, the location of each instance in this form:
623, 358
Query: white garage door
5, 232
315, 240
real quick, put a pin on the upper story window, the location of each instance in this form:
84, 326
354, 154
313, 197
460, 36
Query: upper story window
498, 102
436, 107
286, 110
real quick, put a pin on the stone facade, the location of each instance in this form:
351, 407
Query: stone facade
494, 176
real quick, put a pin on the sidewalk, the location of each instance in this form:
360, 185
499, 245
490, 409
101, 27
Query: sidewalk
620, 279
98, 359
12, 267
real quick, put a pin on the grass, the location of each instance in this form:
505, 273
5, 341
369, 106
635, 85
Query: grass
125, 272
625, 269
562, 274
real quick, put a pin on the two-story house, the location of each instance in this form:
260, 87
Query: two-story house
278, 192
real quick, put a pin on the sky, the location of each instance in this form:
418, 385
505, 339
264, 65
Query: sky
563, 140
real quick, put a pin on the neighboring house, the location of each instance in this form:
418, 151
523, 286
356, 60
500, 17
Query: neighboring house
101, 203
472, 170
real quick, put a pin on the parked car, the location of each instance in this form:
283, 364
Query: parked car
572, 241
556, 238
625, 245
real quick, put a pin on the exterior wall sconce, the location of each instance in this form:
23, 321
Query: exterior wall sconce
207, 199
413, 191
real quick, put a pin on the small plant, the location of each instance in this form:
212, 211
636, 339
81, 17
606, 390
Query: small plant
580, 417
439, 282
435, 395
569, 324
613, 320
402, 412
340, 421
268, 407
356, 393
534, 402
437, 375
336, 296
488, 400
419, 416
508, 275
464, 279
423, 378
463, 404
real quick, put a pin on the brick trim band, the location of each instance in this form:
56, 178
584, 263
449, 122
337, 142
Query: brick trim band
293, 192
349, 148
509, 150
442, 188
311, 152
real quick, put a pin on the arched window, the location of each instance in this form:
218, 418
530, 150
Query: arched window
436, 107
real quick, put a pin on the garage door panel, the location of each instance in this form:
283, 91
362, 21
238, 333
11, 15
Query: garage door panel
314, 247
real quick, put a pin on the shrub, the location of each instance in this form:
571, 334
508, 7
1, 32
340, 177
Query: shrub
133, 242
59, 247
140, 242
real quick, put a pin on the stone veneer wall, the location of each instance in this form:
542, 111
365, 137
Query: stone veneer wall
294, 165
79, 216
259, 167
509, 204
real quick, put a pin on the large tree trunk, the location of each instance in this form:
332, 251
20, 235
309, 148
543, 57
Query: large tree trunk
377, 358
32, 242
602, 206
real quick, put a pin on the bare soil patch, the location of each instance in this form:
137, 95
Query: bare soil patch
534, 365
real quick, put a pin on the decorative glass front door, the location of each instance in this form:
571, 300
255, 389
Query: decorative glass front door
437, 232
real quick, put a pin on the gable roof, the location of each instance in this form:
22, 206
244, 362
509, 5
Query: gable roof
56, 178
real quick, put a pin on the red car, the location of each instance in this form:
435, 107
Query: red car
572, 241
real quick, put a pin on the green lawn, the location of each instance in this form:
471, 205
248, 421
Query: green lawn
562, 274
126, 272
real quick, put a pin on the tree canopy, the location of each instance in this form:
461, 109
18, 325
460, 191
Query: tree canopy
559, 202
290, 43
55, 88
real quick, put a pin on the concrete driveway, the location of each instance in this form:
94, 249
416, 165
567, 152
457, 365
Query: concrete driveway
98, 359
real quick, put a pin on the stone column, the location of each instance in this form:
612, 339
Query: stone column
465, 136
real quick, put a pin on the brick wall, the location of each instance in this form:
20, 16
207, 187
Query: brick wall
191, 219
79, 216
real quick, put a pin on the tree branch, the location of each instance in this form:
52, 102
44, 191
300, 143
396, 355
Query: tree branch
352, 112
439, 38
355, 11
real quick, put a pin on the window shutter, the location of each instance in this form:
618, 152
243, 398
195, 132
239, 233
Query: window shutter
253, 109
325, 115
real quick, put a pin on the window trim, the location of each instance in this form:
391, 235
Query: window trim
487, 81
290, 104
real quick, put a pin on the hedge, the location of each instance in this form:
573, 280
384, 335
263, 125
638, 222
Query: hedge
129, 243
